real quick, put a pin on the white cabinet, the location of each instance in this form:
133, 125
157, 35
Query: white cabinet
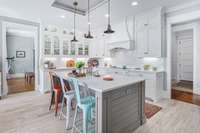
154, 83
149, 33
98, 47
58, 44
51, 44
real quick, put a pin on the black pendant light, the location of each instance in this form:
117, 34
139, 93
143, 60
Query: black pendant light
75, 8
88, 36
109, 29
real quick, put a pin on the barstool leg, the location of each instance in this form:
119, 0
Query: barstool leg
52, 100
85, 120
62, 107
74, 121
68, 111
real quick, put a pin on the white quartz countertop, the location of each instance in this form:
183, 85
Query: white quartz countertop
100, 85
60, 68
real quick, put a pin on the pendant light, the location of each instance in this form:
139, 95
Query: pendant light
109, 29
88, 36
75, 8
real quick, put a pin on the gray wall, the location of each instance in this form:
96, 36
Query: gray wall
19, 43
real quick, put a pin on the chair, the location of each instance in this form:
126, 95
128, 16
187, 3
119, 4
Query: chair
29, 76
85, 103
56, 91
68, 95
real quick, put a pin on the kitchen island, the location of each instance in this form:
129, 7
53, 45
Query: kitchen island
119, 103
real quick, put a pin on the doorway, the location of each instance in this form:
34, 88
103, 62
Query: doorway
182, 64
182, 61
20, 55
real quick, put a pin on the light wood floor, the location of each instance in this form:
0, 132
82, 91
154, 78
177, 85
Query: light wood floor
28, 113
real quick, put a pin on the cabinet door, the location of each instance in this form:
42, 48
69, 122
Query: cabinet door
80, 49
154, 41
142, 47
86, 49
150, 89
97, 47
73, 48
56, 45
141, 36
154, 34
47, 45
65, 47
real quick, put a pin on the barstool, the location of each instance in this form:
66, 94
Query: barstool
86, 104
68, 95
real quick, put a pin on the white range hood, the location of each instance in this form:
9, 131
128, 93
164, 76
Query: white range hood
123, 38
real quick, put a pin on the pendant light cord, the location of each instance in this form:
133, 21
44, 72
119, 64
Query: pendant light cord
89, 15
109, 12
75, 20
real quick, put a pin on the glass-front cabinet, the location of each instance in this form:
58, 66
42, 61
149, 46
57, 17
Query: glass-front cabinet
86, 49
65, 47
47, 45
51, 45
72, 48
80, 49
58, 43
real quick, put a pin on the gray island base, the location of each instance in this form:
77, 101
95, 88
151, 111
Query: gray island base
119, 103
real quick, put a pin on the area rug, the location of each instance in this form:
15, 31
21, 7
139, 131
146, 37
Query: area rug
151, 110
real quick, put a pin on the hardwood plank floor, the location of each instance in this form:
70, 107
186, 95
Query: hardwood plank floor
17, 85
28, 113
186, 97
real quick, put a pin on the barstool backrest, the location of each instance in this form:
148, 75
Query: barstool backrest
55, 81
75, 84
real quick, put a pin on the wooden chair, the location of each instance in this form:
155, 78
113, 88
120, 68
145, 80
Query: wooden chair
56, 91
29, 76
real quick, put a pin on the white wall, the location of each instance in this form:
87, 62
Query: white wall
20, 43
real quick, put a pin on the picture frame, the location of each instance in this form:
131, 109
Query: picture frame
20, 54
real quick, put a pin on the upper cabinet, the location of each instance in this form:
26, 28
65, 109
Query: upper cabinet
149, 33
51, 44
57, 43
98, 46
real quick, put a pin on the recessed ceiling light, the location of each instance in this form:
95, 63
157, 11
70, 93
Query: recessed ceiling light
106, 15
62, 16
134, 3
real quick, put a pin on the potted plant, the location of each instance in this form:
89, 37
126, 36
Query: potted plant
80, 65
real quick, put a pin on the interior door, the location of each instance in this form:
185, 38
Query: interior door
185, 57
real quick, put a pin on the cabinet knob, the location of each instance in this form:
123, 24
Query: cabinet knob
145, 24
145, 52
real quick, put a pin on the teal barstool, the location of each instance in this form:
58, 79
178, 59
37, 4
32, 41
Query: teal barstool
85, 103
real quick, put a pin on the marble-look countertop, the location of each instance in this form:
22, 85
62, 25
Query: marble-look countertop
100, 85
132, 70
60, 69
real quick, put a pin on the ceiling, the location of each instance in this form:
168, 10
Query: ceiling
82, 6
42, 11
